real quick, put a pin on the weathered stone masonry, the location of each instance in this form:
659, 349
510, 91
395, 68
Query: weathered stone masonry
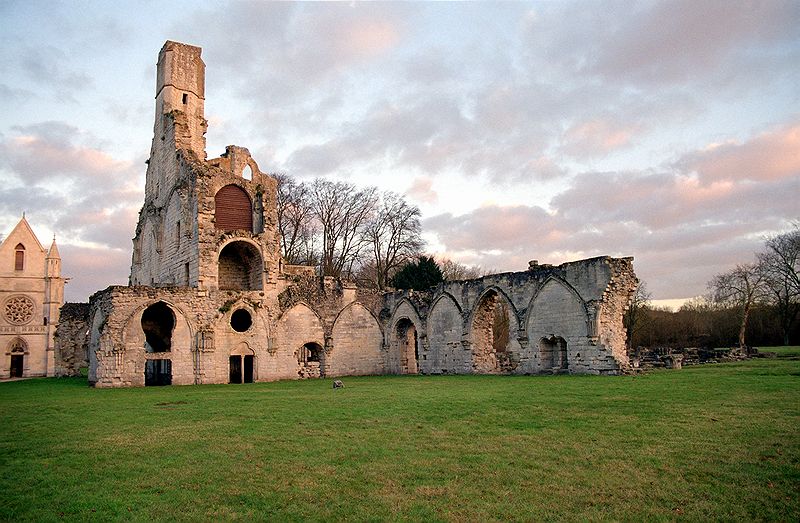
211, 301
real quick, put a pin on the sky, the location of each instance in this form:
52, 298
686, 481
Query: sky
555, 131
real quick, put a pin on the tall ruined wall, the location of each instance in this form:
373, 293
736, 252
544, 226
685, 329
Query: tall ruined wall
565, 318
71, 339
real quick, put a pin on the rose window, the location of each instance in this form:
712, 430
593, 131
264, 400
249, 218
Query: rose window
19, 310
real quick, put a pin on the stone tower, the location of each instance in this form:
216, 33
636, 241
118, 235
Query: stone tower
204, 224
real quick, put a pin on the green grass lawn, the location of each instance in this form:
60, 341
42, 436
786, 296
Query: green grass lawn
783, 352
707, 442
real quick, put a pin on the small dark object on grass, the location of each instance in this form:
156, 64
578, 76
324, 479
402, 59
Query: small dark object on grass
337, 384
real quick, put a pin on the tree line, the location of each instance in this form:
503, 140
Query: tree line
755, 303
360, 234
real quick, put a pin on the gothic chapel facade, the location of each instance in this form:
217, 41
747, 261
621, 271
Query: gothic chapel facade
211, 301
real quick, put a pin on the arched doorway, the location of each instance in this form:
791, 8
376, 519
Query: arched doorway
408, 346
553, 353
491, 334
158, 324
310, 358
240, 267
17, 363
242, 365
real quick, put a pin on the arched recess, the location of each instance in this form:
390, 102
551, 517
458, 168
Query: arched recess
310, 357
397, 357
357, 341
233, 210
444, 328
406, 345
158, 342
557, 326
240, 267
493, 330
296, 329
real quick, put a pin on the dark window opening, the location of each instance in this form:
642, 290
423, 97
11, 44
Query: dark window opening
158, 322
45, 321
186, 273
19, 257
312, 352
185, 98
157, 373
241, 320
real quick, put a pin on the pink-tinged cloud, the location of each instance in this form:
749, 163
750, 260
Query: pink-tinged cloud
92, 269
770, 156
422, 191
596, 138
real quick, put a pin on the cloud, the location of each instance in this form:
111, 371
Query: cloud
422, 190
596, 137
682, 227
74, 188
92, 269
676, 40
770, 156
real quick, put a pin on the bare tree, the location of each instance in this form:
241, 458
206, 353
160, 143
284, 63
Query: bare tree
740, 287
636, 316
341, 212
453, 270
393, 233
295, 221
779, 265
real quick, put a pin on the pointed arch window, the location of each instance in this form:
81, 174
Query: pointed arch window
19, 257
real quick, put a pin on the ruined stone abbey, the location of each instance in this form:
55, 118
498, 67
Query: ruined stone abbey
211, 301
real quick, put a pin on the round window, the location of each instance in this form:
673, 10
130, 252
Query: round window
241, 320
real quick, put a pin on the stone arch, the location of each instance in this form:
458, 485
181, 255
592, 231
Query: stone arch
445, 328
357, 341
558, 316
493, 331
159, 367
233, 210
240, 267
297, 327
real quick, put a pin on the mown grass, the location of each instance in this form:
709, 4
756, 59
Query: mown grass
709, 442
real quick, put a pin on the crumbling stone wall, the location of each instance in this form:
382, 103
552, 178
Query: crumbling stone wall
71, 339
558, 319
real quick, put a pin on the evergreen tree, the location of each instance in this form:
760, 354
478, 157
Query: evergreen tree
419, 275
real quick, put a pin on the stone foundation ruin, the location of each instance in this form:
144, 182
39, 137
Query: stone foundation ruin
211, 301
